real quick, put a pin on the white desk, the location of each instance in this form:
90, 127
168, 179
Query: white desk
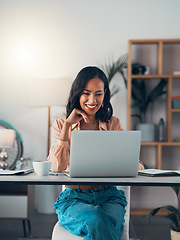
33, 179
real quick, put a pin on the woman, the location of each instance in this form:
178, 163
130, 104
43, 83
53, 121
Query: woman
97, 212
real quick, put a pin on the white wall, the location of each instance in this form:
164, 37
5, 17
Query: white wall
62, 36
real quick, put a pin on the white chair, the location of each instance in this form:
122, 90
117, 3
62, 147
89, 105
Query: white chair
60, 233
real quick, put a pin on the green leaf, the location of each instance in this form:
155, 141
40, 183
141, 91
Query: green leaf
114, 90
124, 78
154, 212
138, 116
113, 67
157, 91
168, 207
122, 61
173, 213
136, 104
137, 92
174, 227
143, 89
174, 221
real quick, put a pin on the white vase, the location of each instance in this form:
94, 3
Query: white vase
147, 132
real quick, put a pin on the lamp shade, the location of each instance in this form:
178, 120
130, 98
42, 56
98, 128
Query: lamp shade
7, 138
49, 92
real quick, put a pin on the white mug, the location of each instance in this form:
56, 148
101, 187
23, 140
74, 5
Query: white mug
42, 168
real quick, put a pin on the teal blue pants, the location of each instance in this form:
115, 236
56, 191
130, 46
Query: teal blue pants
96, 214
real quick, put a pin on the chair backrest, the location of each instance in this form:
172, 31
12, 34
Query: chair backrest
126, 190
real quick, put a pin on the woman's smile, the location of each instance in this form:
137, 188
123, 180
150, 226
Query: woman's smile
91, 107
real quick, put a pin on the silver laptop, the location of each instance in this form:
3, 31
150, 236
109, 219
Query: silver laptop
104, 153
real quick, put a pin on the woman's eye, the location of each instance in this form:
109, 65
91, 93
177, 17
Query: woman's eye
87, 94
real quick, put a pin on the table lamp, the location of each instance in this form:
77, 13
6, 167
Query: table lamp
7, 139
49, 92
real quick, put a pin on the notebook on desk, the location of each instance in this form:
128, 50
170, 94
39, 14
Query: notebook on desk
16, 172
104, 153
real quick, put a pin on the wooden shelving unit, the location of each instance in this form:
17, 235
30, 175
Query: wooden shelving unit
161, 72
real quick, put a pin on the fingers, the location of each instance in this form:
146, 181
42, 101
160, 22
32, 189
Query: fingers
141, 166
77, 115
82, 115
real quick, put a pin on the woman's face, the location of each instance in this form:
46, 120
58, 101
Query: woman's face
92, 96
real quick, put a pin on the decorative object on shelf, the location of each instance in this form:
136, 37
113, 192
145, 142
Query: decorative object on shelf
176, 72
112, 68
177, 139
7, 138
147, 132
139, 69
176, 102
161, 130
173, 216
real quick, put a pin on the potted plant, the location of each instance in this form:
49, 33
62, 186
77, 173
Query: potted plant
112, 68
142, 100
173, 216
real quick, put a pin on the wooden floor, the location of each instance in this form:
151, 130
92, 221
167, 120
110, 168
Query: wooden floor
42, 225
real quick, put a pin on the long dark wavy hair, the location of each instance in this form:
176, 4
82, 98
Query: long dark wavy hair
87, 73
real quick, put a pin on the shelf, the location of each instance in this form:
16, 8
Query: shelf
144, 212
155, 76
175, 76
150, 143
154, 41
175, 110
160, 143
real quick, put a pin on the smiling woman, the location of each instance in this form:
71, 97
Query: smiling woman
88, 108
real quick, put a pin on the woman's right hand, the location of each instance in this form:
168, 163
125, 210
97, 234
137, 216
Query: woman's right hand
76, 116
